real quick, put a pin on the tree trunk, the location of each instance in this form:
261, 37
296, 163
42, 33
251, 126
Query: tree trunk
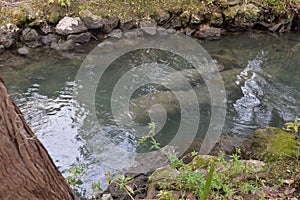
26, 169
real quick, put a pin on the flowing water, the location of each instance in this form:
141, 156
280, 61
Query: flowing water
261, 76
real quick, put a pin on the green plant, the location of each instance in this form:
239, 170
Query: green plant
293, 126
219, 180
96, 187
150, 135
208, 182
165, 195
62, 3
121, 181
75, 173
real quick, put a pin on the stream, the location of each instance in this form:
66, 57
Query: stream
261, 76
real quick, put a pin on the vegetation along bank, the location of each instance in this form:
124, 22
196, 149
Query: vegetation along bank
60, 24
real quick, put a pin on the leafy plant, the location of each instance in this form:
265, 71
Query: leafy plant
154, 143
75, 174
218, 182
293, 126
122, 182
96, 187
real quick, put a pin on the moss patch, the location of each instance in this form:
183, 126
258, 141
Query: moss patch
271, 144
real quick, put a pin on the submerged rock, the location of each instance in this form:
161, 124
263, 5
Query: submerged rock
141, 107
48, 39
70, 25
63, 45
270, 144
207, 32
81, 38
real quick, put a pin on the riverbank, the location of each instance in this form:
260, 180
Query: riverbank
41, 23
266, 166
34, 32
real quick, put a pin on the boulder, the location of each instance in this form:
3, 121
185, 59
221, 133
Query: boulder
249, 12
70, 25
254, 166
270, 144
91, 21
31, 37
110, 24
127, 24
81, 38
8, 35
227, 144
163, 176
231, 12
117, 33
207, 32
48, 39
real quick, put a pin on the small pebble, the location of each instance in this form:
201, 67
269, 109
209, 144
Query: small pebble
23, 50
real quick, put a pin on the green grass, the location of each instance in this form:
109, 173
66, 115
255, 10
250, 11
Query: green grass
125, 9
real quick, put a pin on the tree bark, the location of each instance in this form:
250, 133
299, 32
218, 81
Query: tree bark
26, 169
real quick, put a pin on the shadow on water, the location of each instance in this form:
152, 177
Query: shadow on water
261, 75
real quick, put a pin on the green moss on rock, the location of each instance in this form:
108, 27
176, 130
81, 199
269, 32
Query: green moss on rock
231, 12
163, 177
270, 144
249, 12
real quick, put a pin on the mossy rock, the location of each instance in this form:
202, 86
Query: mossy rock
163, 177
249, 11
231, 12
270, 144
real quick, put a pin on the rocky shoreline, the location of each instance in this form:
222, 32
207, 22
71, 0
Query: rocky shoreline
216, 20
